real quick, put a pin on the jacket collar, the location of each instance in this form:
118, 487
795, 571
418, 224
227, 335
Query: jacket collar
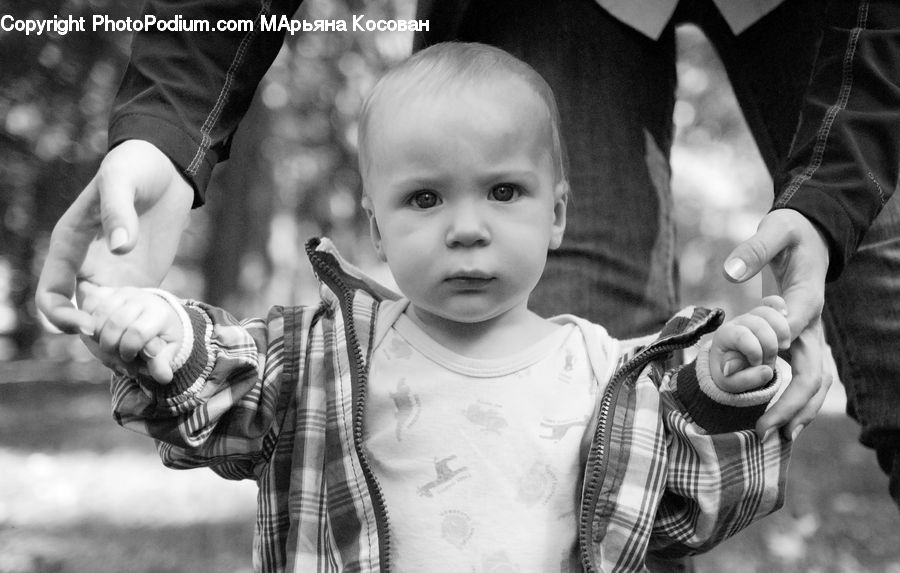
342, 281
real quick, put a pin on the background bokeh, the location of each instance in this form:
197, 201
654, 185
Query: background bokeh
77, 493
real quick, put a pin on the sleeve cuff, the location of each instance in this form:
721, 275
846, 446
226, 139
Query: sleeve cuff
715, 410
833, 223
191, 361
177, 145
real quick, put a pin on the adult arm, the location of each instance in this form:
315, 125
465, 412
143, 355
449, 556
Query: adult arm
186, 92
842, 168
844, 163
180, 101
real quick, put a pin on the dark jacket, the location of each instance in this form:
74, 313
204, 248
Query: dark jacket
186, 92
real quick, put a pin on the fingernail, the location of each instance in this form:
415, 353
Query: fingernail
730, 367
86, 330
796, 432
117, 238
767, 434
735, 268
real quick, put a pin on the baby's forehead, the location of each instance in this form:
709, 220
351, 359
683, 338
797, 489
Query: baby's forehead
509, 91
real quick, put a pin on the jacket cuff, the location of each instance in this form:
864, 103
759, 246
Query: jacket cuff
832, 221
191, 361
713, 409
190, 375
175, 143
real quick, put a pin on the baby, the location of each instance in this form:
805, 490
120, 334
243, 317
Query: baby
450, 428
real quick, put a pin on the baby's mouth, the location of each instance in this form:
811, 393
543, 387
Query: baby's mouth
469, 281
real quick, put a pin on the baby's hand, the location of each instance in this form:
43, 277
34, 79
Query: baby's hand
743, 351
135, 330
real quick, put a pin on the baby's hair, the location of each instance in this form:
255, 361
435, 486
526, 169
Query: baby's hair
450, 64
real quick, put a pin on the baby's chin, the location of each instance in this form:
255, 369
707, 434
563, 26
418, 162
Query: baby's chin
463, 316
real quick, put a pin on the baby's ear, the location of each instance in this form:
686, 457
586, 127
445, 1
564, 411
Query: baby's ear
560, 203
374, 232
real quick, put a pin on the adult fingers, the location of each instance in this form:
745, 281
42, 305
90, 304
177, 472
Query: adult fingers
69, 243
804, 395
805, 297
117, 212
749, 257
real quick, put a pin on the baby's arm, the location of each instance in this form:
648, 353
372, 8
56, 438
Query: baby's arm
721, 475
137, 331
216, 396
743, 350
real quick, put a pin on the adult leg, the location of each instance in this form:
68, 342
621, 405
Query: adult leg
862, 320
615, 90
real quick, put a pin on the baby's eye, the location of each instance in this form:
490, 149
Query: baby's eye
424, 199
505, 192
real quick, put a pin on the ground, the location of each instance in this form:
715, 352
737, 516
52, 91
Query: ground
78, 494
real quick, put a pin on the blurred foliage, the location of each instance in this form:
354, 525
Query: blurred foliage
55, 94
293, 174
720, 184
80, 495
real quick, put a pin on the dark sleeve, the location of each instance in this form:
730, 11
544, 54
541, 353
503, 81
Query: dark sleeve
844, 162
186, 91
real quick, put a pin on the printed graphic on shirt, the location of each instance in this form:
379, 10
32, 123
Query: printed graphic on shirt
397, 349
556, 430
565, 375
407, 407
471, 455
499, 562
537, 484
446, 477
487, 417
456, 527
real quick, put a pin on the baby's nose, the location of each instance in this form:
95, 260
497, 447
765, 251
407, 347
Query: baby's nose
467, 226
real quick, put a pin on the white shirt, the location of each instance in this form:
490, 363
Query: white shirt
479, 460
650, 17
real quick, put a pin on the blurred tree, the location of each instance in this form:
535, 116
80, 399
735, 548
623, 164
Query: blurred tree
293, 168
720, 184
292, 172
55, 93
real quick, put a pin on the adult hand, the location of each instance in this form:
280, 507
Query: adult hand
123, 229
798, 255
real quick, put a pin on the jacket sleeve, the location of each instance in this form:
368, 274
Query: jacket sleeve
186, 91
720, 476
224, 407
844, 163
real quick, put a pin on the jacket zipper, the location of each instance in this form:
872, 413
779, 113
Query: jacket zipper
595, 466
333, 279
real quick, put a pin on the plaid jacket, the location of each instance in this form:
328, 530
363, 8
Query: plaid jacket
668, 469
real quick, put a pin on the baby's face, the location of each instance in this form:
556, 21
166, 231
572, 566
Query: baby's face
465, 201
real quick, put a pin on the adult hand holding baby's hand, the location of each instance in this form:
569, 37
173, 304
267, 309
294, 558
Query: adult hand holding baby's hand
743, 351
123, 229
134, 330
798, 254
